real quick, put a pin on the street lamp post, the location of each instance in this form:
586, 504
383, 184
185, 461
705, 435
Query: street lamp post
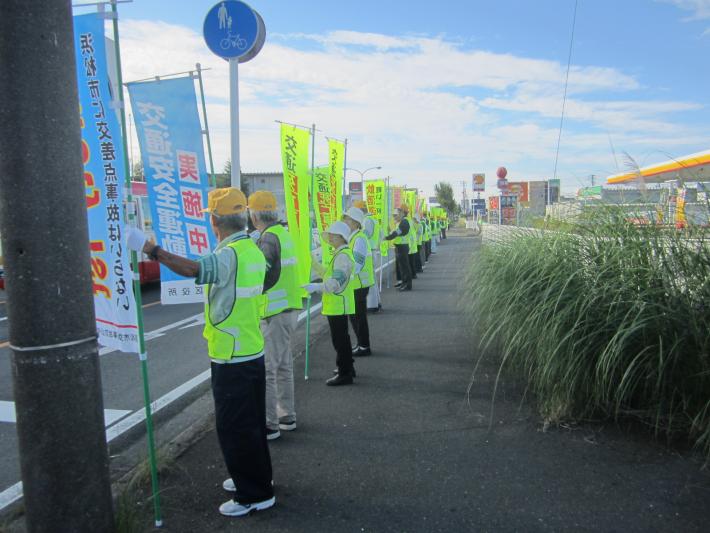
362, 176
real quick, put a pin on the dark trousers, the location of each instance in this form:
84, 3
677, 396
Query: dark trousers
404, 272
427, 250
359, 319
443, 233
341, 342
417, 258
239, 391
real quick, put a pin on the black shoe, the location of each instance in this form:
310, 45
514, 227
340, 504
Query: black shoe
398, 284
362, 351
354, 349
373, 310
340, 379
335, 372
402, 289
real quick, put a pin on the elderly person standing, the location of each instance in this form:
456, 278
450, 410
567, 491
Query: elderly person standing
234, 275
363, 278
282, 294
338, 299
401, 237
373, 232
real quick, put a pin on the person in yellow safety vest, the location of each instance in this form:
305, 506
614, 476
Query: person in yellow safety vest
363, 279
282, 295
427, 238
234, 275
338, 298
418, 261
413, 247
373, 232
434, 233
444, 226
400, 239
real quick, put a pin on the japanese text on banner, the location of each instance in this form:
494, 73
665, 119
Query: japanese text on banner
295, 145
170, 139
102, 155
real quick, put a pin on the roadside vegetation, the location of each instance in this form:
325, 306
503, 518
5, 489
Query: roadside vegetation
610, 320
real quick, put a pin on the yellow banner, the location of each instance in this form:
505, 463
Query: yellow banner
376, 198
323, 207
336, 160
295, 145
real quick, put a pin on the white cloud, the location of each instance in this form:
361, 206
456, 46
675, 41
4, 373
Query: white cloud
700, 10
424, 108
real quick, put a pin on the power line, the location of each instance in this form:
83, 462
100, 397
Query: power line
564, 98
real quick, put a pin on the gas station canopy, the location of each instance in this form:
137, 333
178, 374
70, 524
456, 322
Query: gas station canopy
694, 167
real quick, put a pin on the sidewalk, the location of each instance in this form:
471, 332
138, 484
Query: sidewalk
404, 450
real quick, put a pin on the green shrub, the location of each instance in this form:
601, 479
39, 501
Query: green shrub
606, 321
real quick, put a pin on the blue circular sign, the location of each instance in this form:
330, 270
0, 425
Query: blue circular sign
231, 29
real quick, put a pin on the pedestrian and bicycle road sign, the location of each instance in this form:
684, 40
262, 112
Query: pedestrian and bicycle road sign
232, 29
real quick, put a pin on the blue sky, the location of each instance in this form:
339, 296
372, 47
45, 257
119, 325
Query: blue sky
437, 91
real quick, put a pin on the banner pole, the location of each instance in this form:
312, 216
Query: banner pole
206, 131
310, 246
137, 286
345, 164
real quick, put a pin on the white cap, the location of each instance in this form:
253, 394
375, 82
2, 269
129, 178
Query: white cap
356, 214
339, 228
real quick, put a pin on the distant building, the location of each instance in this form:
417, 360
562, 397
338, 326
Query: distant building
267, 181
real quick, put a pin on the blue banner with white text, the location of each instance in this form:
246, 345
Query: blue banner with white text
170, 139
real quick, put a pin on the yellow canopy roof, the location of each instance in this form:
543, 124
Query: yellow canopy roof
694, 167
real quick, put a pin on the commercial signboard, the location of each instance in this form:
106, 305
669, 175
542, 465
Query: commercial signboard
479, 182
519, 189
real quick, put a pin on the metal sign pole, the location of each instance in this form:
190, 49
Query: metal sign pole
234, 121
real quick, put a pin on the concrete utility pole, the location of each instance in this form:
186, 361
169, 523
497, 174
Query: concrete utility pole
43, 222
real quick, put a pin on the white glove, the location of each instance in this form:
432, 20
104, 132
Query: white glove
135, 238
313, 287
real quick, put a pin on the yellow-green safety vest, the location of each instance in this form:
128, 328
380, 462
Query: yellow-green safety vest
419, 235
412, 236
286, 294
239, 335
366, 277
344, 302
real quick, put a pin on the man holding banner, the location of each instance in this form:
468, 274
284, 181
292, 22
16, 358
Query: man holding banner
234, 274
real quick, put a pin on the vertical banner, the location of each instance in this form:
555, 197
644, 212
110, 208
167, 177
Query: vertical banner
397, 197
170, 139
376, 194
326, 213
336, 160
102, 154
295, 156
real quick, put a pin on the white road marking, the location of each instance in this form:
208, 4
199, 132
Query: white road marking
14, 492
7, 412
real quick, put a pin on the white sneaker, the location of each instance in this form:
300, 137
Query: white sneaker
228, 485
232, 508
